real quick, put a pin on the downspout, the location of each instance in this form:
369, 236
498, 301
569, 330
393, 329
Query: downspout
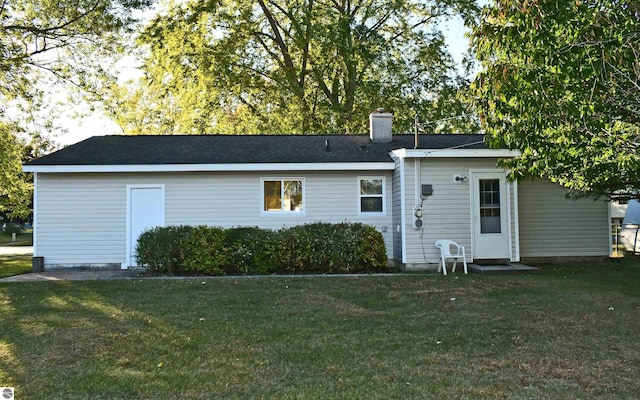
516, 221
418, 179
611, 251
35, 214
403, 209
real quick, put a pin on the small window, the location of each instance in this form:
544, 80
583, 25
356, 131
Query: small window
371, 195
490, 206
282, 195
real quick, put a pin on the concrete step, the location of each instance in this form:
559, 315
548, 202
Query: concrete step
511, 268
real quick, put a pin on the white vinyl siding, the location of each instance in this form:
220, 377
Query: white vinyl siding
81, 218
447, 212
397, 211
551, 225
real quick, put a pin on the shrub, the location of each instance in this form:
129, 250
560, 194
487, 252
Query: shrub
313, 248
251, 251
370, 252
159, 249
332, 248
205, 251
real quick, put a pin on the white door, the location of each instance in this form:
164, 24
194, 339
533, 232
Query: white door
146, 210
490, 216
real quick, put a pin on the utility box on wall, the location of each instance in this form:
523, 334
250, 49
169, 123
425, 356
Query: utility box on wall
427, 190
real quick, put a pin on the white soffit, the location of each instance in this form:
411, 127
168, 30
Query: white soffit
363, 166
456, 153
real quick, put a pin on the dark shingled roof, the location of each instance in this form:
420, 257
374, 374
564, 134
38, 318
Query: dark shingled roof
244, 149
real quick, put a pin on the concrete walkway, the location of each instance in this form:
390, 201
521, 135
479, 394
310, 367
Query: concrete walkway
15, 250
73, 275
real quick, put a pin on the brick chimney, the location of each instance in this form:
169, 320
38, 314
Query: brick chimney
380, 126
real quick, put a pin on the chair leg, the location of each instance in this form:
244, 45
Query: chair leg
455, 262
464, 261
444, 266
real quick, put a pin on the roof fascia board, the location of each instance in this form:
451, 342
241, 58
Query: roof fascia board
456, 153
361, 166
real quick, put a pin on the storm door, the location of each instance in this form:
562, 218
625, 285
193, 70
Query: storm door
490, 216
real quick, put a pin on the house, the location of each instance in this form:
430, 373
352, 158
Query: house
94, 198
630, 232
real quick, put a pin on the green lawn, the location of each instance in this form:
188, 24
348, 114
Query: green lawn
568, 333
15, 265
22, 239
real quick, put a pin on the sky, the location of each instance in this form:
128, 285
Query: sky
98, 124
79, 129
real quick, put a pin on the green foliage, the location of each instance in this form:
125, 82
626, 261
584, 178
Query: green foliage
204, 251
252, 250
60, 37
312, 248
298, 66
561, 82
46, 42
16, 188
160, 249
332, 248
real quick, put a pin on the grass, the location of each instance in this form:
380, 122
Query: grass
22, 239
15, 265
568, 333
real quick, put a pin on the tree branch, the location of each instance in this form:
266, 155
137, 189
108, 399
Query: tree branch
44, 31
284, 50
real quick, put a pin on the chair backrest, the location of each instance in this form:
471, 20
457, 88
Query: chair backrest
449, 248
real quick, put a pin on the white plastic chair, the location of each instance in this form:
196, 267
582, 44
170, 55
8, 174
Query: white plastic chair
450, 249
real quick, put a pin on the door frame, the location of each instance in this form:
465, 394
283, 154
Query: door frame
129, 247
505, 210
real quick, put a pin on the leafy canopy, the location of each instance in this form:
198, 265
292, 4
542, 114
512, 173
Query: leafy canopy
48, 42
560, 81
15, 188
304, 66
59, 37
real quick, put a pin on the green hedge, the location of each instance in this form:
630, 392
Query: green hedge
314, 248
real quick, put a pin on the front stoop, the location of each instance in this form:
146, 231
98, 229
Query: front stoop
511, 268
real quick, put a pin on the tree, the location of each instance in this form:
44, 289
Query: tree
561, 82
15, 186
52, 42
60, 38
304, 66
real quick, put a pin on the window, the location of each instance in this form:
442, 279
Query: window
282, 195
371, 194
490, 206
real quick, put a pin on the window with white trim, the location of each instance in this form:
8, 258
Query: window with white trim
371, 195
282, 195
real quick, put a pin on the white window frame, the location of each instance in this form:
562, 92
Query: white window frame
282, 212
383, 195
